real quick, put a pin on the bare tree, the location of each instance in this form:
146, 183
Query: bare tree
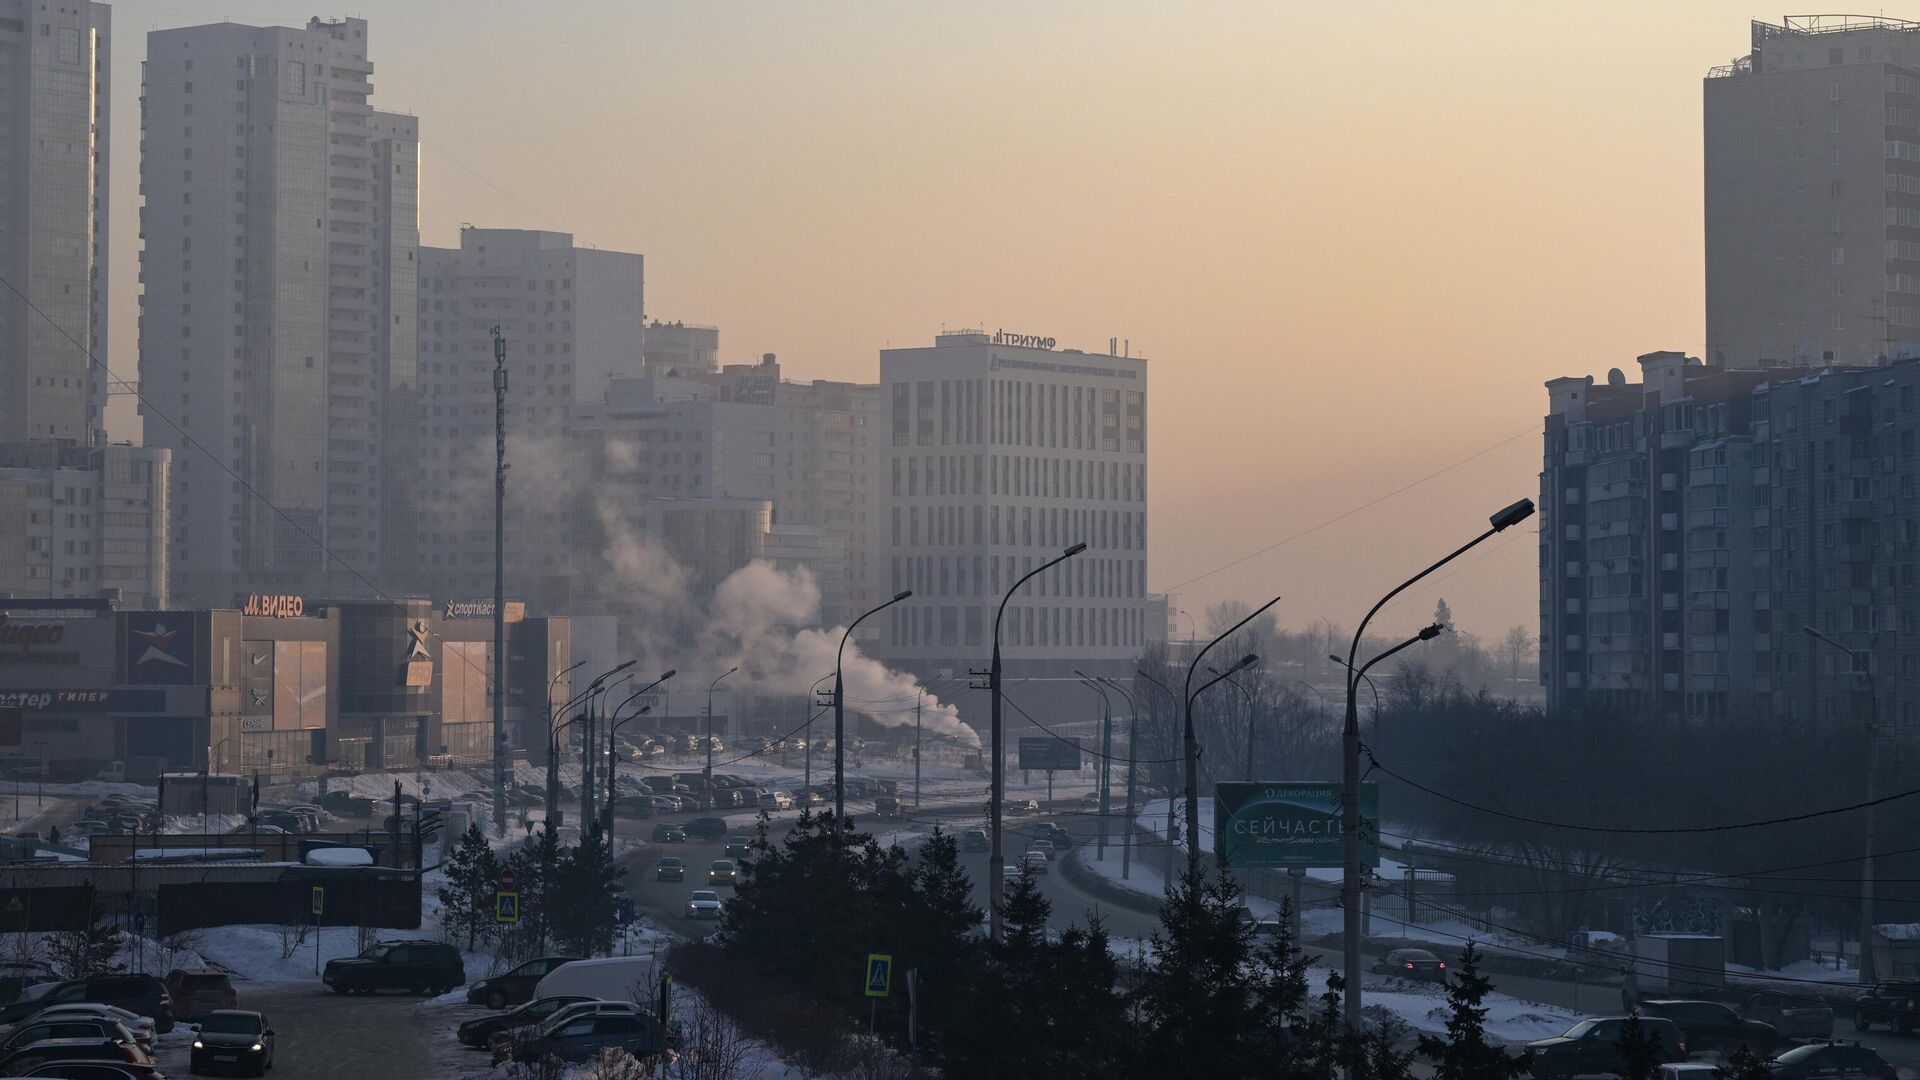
712, 1046
1515, 647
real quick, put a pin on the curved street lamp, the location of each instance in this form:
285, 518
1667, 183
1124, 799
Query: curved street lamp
708, 794
1190, 745
840, 716
997, 872
1106, 755
1133, 766
1506, 518
613, 727
553, 736
1251, 710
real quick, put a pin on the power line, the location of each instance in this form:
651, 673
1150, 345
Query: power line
1374, 764
1090, 753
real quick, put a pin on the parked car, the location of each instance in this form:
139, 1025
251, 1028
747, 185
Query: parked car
584, 1037
669, 833
29, 1060
99, 1070
96, 1028
17, 975
737, 846
1792, 1016
721, 872
516, 986
1407, 963
704, 904
233, 1039
706, 828
777, 800
1832, 1061
609, 978
416, 966
974, 840
1895, 1004
198, 992
1709, 1025
141, 1026
1593, 1046
670, 868
346, 804
637, 805
145, 995
811, 798
479, 1031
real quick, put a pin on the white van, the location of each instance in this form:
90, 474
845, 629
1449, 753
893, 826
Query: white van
612, 978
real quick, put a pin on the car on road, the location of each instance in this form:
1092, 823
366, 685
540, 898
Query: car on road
706, 828
416, 966
737, 846
583, 1038
1009, 877
670, 868
516, 986
666, 833
1056, 834
1895, 1003
198, 992
1593, 1046
811, 798
1832, 1061
1410, 964
776, 800
479, 1031
1035, 861
1711, 1026
141, 1026
1791, 1015
233, 1040
886, 807
722, 872
145, 995
29, 1060
1042, 845
704, 904
973, 840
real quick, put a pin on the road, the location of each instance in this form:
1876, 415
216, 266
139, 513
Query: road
325, 1036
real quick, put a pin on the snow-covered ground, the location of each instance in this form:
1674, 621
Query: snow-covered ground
1423, 1007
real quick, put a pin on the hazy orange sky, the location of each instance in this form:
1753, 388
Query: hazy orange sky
1354, 239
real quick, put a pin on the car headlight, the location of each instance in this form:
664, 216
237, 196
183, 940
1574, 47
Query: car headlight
256, 1047
198, 1045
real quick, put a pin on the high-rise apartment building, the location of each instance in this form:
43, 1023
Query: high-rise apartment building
84, 522
277, 320
1001, 451
54, 153
677, 348
1812, 163
572, 319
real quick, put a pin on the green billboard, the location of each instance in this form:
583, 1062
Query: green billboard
1289, 823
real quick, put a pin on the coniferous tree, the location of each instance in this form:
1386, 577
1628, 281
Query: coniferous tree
1465, 1053
1743, 1064
583, 906
1639, 1049
466, 901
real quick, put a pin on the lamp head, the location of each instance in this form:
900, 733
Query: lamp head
1075, 549
1246, 662
671, 672
1512, 515
902, 595
1809, 631
1428, 633
644, 710
624, 666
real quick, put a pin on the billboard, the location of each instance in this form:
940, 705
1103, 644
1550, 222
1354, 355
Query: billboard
1048, 754
160, 648
1289, 823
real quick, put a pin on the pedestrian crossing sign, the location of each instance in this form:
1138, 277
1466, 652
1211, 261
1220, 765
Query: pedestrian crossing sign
879, 974
506, 907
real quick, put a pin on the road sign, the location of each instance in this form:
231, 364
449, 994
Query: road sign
879, 974
1048, 754
319, 900
506, 907
623, 910
1289, 823
508, 879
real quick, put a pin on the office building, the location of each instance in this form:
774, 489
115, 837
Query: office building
572, 320
1812, 170
84, 522
1001, 451
677, 348
278, 311
55, 151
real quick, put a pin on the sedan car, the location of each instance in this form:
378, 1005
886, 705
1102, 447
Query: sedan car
480, 1030
514, 987
98, 1070
670, 868
141, 1026
737, 846
1412, 964
704, 904
239, 1040
584, 1037
96, 1028
722, 872
1832, 1061
29, 1058
1793, 1016
664, 833
1035, 861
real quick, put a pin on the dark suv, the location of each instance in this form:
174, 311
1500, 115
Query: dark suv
706, 828
142, 994
1895, 1004
1709, 1025
516, 986
415, 966
1593, 1046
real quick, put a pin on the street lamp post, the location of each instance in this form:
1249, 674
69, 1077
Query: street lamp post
812, 715
997, 872
1106, 756
614, 724
1350, 758
1248, 694
1133, 767
1189, 744
1863, 666
840, 716
1171, 776
587, 745
553, 737
1364, 677
708, 794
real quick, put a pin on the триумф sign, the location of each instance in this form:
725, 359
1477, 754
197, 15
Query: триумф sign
1022, 341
